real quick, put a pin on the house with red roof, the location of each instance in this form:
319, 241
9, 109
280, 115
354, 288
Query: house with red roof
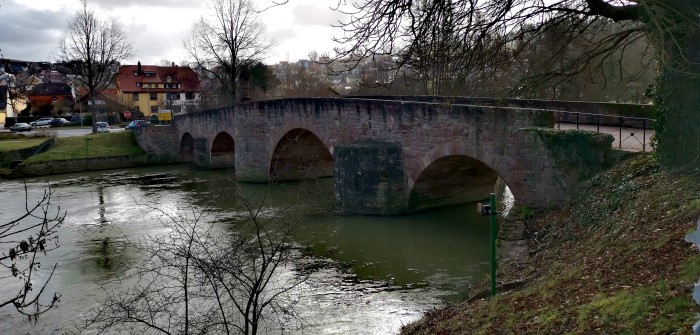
149, 88
50, 98
107, 104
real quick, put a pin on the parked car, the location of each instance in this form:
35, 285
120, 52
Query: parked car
20, 127
76, 118
44, 121
58, 122
137, 124
102, 127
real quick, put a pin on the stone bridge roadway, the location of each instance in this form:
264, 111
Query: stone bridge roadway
386, 156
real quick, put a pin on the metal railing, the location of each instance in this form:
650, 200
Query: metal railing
625, 129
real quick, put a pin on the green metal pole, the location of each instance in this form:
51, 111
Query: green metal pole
493, 243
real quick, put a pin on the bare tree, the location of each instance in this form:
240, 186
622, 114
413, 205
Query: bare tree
203, 277
93, 47
398, 27
24, 241
227, 39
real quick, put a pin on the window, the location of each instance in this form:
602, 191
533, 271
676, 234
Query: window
134, 97
154, 109
137, 109
154, 96
149, 74
189, 95
174, 96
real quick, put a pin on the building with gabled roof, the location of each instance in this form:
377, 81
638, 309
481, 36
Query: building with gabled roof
48, 98
149, 88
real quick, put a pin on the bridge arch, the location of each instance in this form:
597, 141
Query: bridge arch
453, 174
223, 151
300, 154
186, 147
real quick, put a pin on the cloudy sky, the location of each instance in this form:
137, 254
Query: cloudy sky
30, 29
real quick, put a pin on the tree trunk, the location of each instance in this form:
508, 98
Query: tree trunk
678, 98
93, 113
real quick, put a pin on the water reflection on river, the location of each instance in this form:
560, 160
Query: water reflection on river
370, 274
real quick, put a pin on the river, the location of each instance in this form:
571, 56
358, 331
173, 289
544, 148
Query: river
372, 274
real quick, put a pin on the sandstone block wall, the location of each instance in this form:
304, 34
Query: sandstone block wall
425, 133
369, 178
77, 165
161, 142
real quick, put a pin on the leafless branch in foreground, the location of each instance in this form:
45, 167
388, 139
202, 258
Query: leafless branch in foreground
204, 276
24, 241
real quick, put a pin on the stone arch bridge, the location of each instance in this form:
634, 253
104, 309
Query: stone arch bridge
386, 156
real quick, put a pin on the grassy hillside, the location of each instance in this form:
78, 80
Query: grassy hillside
91, 145
9, 145
614, 261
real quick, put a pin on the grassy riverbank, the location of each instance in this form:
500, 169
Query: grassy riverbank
20, 143
614, 261
90, 146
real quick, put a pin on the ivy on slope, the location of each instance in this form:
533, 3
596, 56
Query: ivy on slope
613, 261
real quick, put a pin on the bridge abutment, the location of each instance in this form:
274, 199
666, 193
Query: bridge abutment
370, 178
200, 153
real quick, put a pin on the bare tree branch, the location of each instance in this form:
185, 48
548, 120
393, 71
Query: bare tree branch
92, 48
40, 222
201, 276
227, 39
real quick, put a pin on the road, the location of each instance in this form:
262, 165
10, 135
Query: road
66, 131
73, 131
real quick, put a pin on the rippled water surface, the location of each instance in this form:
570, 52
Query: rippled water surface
367, 274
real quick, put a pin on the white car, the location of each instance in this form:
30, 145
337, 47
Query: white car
20, 127
102, 127
44, 121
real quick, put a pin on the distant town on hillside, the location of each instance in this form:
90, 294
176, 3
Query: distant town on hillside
36, 89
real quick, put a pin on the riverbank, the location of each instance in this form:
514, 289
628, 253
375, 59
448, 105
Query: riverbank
613, 261
52, 155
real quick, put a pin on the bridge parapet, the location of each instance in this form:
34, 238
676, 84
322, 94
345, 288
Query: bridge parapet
588, 107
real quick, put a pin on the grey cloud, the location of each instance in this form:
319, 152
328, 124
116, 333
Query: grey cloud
112, 4
281, 35
30, 34
315, 15
150, 47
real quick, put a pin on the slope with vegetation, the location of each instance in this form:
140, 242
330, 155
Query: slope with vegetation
50, 155
613, 261
90, 146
